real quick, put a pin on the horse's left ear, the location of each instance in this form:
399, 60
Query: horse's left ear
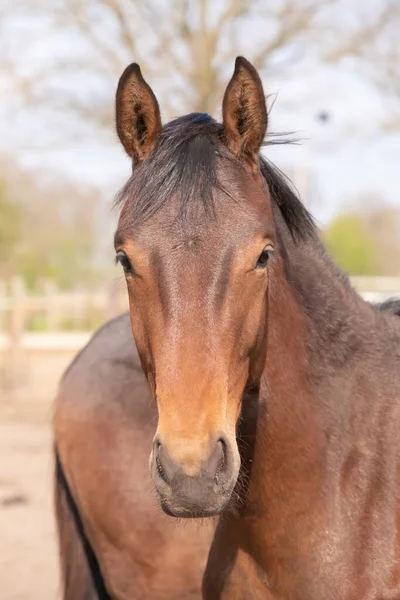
244, 112
137, 114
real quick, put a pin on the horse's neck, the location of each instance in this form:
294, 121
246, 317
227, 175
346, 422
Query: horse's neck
310, 321
288, 426
317, 397
315, 321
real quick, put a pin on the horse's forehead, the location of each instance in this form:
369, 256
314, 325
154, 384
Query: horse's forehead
233, 207
226, 222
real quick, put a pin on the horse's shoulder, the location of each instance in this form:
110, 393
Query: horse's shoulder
113, 341
102, 371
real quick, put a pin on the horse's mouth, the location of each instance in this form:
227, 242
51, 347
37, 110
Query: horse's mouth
194, 512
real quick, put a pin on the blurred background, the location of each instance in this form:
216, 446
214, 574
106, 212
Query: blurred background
331, 69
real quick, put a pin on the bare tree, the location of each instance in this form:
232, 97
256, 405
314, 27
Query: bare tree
186, 47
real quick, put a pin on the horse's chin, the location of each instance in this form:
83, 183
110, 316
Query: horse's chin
194, 512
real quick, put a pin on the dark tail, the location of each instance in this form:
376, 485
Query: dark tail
80, 573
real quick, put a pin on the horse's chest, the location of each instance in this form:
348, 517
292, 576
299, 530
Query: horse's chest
326, 568
283, 578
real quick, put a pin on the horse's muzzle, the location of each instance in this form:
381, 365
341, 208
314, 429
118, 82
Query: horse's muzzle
203, 494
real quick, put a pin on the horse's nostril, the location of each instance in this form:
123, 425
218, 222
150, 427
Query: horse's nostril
222, 461
224, 448
165, 465
216, 462
157, 456
160, 468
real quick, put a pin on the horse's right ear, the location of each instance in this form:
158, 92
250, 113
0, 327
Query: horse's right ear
138, 116
244, 112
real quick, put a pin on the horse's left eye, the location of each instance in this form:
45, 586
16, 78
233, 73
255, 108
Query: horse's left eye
124, 262
264, 258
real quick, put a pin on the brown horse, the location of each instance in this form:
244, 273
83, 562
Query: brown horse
276, 387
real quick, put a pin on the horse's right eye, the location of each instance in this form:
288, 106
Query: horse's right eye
124, 261
264, 257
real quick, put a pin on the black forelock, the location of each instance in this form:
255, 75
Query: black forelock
185, 163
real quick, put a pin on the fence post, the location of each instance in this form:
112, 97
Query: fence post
16, 330
51, 303
3, 305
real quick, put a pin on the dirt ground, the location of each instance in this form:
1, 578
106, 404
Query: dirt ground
28, 554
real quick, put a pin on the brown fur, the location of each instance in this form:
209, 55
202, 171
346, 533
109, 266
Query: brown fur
276, 388
104, 424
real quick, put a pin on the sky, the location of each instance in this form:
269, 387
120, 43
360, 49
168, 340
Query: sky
336, 111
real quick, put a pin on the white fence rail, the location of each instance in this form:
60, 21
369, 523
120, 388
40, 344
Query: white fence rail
377, 289
41, 333
53, 310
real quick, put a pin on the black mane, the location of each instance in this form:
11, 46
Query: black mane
185, 162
